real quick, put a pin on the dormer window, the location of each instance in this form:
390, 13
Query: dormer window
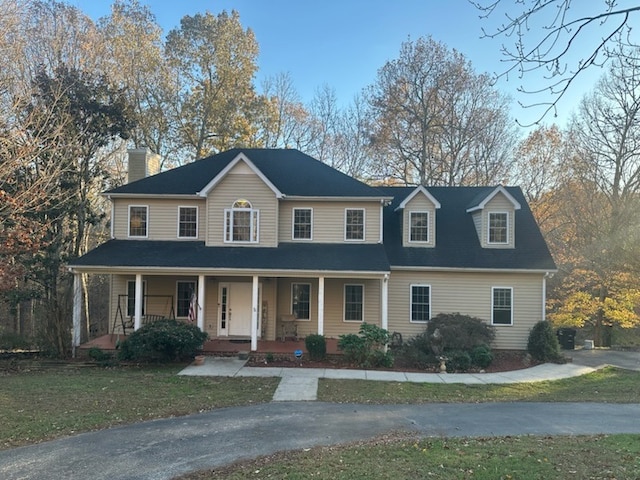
498, 228
241, 223
419, 227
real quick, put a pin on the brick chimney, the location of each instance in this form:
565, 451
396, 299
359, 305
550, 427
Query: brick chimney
142, 163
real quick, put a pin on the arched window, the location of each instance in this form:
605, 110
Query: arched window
241, 222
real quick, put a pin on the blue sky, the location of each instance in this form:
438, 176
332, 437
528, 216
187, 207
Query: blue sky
342, 43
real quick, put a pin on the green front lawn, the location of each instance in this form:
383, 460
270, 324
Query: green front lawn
521, 458
606, 385
42, 404
39, 404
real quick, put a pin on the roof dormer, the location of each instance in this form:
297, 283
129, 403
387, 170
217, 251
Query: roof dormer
419, 218
493, 213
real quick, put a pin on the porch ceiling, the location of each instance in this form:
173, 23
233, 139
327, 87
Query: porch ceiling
124, 255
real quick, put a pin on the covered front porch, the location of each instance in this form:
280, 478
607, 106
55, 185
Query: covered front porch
242, 312
240, 293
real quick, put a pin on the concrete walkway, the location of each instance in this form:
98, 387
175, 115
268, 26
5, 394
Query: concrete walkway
301, 384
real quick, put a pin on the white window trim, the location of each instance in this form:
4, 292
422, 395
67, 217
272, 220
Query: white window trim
492, 306
144, 297
411, 320
195, 290
197, 222
291, 302
421, 242
364, 225
344, 302
146, 207
489, 242
228, 234
293, 224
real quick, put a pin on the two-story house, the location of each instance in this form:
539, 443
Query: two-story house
248, 241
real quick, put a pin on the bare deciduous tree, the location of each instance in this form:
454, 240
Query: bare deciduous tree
557, 39
435, 121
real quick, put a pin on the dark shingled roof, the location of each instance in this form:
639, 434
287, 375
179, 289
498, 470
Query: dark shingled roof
457, 242
292, 172
295, 174
287, 256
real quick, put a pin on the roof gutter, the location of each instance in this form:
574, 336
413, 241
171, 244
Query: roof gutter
544, 271
225, 271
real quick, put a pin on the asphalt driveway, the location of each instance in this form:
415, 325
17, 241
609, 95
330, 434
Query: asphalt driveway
598, 357
162, 449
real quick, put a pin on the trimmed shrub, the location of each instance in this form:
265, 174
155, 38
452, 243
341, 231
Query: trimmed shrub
458, 361
452, 331
481, 356
316, 346
353, 347
367, 348
448, 334
543, 343
163, 341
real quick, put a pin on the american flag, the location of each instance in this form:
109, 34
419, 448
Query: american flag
192, 308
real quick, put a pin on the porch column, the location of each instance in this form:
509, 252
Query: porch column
320, 305
77, 311
201, 302
137, 312
384, 303
254, 315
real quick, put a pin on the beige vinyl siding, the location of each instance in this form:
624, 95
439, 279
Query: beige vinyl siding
498, 204
469, 294
334, 325
329, 220
242, 183
419, 203
162, 218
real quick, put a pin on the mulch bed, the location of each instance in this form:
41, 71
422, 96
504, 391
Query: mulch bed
503, 361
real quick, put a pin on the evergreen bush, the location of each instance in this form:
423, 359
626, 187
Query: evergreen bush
458, 361
543, 343
481, 356
316, 346
367, 348
163, 340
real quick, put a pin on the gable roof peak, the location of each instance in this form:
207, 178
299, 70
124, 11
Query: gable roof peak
240, 157
483, 198
419, 189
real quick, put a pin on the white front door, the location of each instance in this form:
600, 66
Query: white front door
235, 309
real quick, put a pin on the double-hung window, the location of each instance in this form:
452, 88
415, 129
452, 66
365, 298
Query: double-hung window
186, 292
502, 306
498, 227
131, 297
187, 222
419, 227
138, 216
353, 303
241, 223
420, 303
301, 300
302, 223
354, 224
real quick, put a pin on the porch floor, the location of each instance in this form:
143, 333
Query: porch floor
222, 346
